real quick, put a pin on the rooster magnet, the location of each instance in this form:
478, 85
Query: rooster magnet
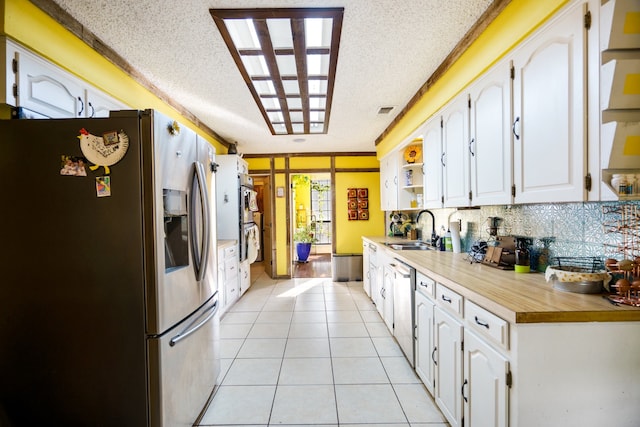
105, 150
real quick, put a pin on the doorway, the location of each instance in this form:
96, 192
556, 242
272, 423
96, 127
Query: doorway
264, 220
312, 205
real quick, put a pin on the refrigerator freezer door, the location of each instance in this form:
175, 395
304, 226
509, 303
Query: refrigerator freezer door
184, 367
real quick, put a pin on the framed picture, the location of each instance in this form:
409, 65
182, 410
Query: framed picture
358, 204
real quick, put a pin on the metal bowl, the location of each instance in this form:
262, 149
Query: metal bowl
585, 287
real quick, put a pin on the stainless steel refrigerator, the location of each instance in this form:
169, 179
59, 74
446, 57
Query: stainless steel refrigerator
108, 293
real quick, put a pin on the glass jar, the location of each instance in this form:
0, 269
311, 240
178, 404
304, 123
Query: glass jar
631, 184
619, 183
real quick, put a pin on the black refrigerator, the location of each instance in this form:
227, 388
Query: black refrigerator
108, 293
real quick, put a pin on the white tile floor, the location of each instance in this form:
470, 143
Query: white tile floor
313, 352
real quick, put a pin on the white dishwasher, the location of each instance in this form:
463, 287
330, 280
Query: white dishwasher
403, 295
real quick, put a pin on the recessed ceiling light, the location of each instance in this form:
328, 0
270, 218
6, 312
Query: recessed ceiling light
288, 59
385, 110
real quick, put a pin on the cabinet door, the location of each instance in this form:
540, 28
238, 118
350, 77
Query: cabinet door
425, 340
99, 104
448, 370
366, 275
245, 277
490, 144
485, 391
47, 89
432, 155
455, 143
388, 297
549, 111
221, 280
389, 183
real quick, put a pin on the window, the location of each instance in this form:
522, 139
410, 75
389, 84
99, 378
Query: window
321, 209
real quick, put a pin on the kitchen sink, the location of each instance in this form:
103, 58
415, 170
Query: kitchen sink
409, 246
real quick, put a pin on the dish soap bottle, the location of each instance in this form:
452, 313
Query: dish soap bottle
448, 244
522, 257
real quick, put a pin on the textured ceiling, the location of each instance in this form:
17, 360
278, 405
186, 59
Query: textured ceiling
388, 49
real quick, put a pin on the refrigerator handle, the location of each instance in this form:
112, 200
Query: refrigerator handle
196, 324
200, 258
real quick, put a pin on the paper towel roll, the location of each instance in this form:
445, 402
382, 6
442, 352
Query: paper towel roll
454, 227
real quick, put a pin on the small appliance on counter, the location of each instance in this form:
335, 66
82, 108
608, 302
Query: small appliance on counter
502, 255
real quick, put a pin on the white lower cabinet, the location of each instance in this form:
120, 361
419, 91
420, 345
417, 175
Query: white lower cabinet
228, 283
485, 387
461, 356
245, 277
448, 366
424, 332
387, 296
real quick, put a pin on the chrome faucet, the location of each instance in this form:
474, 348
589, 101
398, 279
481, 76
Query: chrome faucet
434, 237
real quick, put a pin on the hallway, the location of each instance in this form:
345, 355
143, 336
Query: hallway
313, 352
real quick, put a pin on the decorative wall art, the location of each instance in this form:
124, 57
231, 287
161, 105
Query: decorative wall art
358, 204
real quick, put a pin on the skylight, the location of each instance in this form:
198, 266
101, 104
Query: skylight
288, 59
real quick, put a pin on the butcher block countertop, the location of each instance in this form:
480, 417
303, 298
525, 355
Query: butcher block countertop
516, 297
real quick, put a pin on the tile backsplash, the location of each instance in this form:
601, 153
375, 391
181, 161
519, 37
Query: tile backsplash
576, 228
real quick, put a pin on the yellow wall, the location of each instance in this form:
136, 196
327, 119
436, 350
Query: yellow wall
310, 162
31, 27
280, 216
303, 198
259, 163
365, 162
348, 233
517, 20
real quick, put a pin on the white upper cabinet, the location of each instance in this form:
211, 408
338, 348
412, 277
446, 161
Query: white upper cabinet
99, 104
389, 182
47, 90
490, 137
549, 112
455, 148
432, 155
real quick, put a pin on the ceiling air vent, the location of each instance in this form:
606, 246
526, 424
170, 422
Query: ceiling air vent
385, 110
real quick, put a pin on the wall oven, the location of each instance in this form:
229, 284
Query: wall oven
246, 213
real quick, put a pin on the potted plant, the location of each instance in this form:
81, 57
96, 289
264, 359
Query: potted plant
304, 238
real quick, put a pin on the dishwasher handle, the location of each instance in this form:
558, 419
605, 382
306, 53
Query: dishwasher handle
401, 269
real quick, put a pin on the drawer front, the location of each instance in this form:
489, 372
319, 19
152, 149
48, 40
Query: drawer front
487, 324
425, 285
230, 269
449, 299
230, 251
